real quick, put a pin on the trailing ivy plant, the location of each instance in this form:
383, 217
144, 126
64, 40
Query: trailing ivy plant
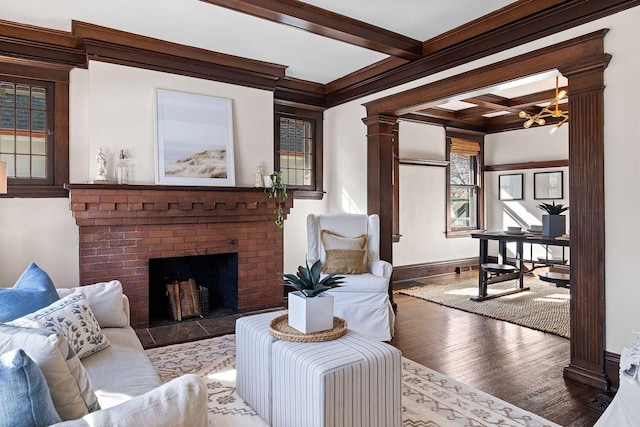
278, 191
553, 209
308, 281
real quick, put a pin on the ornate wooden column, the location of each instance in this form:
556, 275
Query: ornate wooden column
380, 178
586, 213
583, 61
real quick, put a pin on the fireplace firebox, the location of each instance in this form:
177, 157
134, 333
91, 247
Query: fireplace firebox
218, 274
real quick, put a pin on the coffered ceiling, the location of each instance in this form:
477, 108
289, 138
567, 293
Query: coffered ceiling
317, 40
316, 52
496, 109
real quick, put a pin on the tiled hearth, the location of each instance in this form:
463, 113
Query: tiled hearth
191, 330
122, 227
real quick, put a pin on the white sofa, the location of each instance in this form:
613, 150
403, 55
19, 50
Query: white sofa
125, 382
362, 299
624, 409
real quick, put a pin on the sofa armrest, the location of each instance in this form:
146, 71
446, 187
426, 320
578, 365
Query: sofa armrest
180, 402
127, 308
381, 268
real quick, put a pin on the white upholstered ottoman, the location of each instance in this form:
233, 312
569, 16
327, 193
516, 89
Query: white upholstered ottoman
350, 381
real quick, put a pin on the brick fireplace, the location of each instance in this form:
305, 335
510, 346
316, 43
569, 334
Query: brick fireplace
122, 227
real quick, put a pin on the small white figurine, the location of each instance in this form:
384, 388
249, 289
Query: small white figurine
259, 180
101, 174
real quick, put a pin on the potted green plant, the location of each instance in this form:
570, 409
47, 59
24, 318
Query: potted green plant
309, 309
553, 224
278, 191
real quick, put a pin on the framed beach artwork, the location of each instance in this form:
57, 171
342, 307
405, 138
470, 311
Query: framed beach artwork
194, 139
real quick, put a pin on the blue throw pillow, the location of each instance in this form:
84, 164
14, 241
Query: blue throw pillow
26, 401
33, 291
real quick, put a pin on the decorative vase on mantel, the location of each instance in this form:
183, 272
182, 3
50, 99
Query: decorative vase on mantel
553, 224
309, 309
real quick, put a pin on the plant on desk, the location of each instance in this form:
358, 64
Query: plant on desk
307, 313
553, 224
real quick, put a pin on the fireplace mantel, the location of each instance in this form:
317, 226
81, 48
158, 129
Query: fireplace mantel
123, 226
145, 204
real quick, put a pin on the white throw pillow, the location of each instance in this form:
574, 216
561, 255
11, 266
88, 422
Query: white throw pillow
180, 402
71, 317
68, 382
105, 299
334, 241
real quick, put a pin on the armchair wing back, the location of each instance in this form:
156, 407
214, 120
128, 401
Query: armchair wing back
347, 225
362, 299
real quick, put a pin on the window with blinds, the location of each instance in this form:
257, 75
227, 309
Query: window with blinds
463, 184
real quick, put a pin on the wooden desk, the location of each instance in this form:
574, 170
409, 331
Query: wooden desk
504, 238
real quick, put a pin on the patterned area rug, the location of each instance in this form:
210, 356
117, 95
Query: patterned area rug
429, 399
545, 307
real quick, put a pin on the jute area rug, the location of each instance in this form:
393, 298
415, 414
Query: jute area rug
429, 399
545, 307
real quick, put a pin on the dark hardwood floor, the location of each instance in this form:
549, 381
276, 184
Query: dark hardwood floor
516, 364
519, 365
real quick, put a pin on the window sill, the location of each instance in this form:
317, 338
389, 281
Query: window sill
461, 233
35, 191
308, 194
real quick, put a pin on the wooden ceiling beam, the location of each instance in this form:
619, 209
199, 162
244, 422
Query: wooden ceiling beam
441, 121
492, 103
492, 21
535, 98
438, 113
328, 24
474, 118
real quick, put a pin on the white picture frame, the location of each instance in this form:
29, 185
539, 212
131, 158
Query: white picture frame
194, 140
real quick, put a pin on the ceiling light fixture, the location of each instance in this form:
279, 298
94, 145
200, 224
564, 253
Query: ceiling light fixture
556, 112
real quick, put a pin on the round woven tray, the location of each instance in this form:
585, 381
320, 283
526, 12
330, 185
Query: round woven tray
279, 328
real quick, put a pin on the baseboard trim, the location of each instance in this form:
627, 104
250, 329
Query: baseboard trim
416, 271
612, 369
585, 376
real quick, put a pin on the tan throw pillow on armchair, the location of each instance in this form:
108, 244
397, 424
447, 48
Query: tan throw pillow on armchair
344, 255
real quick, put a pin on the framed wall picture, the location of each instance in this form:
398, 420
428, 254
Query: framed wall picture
510, 187
194, 139
547, 185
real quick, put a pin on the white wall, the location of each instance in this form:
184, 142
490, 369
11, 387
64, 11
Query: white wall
345, 178
121, 105
423, 214
41, 231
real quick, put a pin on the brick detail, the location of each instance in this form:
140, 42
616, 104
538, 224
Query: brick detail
122, 227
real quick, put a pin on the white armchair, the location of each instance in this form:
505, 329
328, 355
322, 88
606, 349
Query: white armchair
363, 299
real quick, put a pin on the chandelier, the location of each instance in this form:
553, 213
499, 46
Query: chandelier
551, 110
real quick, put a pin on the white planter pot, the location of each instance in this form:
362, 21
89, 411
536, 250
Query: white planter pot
309, 315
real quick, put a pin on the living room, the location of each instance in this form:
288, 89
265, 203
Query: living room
111, 106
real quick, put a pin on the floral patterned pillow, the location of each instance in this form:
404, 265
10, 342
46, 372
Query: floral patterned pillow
72, 317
